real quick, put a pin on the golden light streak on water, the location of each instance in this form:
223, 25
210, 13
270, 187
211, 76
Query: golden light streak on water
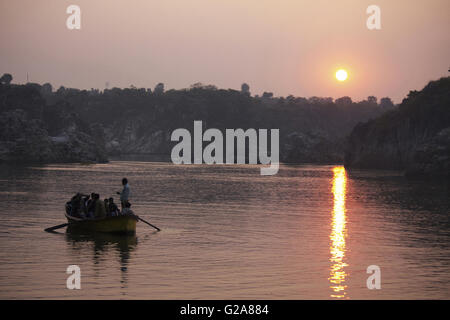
338, 234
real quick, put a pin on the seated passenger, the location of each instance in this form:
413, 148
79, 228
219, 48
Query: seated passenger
113, 209
106, 204
75, 205
84, 205
127, 210
99, 207
91, 206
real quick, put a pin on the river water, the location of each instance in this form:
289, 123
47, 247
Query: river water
309, 232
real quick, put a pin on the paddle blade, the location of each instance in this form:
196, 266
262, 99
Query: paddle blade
149, 224
56, 227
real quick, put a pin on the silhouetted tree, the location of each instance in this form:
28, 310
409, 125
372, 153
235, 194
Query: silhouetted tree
267, 95
372, 99
61, 90
6, 78
196, 85
344, 101
320, 100
245, 88
159, 88
290, 98
199, 85
46, 88
386, 103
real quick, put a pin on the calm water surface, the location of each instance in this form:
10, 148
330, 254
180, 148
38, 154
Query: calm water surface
309, 232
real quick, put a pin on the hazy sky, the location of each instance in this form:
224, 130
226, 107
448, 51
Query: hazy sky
282, 46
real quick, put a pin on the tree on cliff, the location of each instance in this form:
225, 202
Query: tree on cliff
6, 78
245, 89
267, 95
344, 101
159, 89
46, 89
386, 103
201, 86
372, 100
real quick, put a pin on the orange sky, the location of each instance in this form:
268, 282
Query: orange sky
283, 46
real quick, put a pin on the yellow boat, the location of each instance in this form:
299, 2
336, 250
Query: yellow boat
118, 224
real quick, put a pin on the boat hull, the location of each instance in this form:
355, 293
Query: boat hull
125, 224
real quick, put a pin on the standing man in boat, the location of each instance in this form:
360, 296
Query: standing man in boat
125, 194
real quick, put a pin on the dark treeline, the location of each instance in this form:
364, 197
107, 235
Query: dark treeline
140, 121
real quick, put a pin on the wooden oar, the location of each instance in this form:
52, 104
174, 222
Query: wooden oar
148, 223
56, 227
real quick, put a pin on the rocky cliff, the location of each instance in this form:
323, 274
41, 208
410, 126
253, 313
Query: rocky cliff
295, 147
86, 125
414, 138
139, 121
33, 132
309, 147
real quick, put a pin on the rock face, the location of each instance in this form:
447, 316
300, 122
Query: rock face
36, 133
433, 157
23, 140
414, 138
27, 141
310, 148
126, 138
296, 147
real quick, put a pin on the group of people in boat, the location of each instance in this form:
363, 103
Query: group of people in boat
91, 207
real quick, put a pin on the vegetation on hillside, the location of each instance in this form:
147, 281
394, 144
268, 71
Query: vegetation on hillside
415, 137
139, 120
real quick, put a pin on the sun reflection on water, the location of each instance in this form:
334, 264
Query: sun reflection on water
338, 235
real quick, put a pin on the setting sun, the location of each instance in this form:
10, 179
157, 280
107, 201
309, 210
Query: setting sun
341, 75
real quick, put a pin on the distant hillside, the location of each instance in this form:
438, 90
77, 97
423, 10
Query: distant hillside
414, 138
87, 125
140, 121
